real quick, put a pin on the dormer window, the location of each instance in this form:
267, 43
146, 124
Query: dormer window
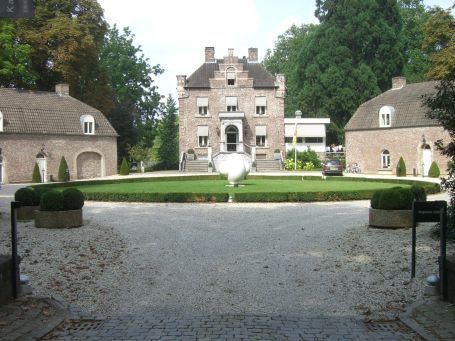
231, 103
385, 116
1, 121
88, 124
203, 106
230, 76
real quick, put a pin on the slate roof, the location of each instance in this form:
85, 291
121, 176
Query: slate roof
39, 112
261, 77
407, 102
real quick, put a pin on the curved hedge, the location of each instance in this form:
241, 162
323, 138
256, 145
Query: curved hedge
73, 199
158, 197
51, 201
25, 196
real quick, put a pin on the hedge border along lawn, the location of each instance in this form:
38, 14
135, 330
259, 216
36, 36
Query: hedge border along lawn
430, 188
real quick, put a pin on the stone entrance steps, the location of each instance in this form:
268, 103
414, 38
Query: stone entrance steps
196, 166
267, 165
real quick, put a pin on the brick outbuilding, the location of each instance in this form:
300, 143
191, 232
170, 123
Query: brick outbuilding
393, 125
41, 127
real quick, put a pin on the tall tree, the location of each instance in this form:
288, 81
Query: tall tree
135, 96
414, 16
15, 58
65, 37
168, 151
349, 58
439, 43
283, 59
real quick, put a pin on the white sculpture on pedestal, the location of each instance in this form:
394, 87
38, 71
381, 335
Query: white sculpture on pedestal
235, 168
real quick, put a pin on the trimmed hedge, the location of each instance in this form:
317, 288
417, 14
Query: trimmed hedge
36, 176
397, 198
302, 196
73, 199
401, 167
51, 201
124, 169
434, 171
158, 197
39, 191
25, 196
63, 171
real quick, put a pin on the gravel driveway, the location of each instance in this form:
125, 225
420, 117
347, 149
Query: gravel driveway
290, 259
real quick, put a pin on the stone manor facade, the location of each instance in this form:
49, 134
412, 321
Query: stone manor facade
231, 105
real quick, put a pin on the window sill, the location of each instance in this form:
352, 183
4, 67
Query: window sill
202, 116
259, 116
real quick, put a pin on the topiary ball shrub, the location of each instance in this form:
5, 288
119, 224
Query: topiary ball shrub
401, 167
63, 171
124, 169
73, 199
434, 171
374, 202
51, 201
36, 176
395, 199
419, 193
25, 196
38, 191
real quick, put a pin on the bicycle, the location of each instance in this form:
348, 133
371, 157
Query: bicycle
353, 168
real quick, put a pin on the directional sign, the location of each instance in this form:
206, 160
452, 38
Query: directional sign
16, 8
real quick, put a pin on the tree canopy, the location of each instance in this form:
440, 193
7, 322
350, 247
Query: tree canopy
168, 130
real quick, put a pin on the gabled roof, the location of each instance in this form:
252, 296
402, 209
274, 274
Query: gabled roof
39, 112
407, 102
261, 77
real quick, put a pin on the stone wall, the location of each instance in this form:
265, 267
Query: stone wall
365, 148
19, 154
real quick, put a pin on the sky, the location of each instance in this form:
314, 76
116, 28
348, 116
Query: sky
174, 33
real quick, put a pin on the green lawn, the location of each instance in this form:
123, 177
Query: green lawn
249, 185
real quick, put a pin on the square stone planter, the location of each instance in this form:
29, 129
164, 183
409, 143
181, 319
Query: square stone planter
26, 212
58, 219
390, 218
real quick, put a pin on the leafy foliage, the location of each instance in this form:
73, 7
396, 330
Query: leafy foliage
25, 196
401, 167
304, 157
63, 171
124, 169
396, 199
51, 201
348, 59
36, 176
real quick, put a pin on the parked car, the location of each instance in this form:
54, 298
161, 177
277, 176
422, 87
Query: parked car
332, 167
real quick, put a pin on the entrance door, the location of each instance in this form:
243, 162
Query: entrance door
426, 159
1, 170
41, 161
231, 138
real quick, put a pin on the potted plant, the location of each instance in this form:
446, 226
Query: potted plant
190, 154
253, 166
210, 167
392, 208
60, 209
276, 154
26, 197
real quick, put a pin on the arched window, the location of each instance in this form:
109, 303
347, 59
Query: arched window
1, 121
386, 115
230, 76
385, 159
88, 124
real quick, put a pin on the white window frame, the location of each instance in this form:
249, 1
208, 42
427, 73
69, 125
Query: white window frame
385, 116
231, 70
385, 159
203, 106
88, 124
203, 141
261, 105
1, 121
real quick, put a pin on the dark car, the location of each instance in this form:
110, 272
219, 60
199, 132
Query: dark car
332, 167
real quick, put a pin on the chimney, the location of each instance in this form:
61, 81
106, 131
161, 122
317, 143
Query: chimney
398, 83
181, 83
210, 55
252, 55
230, 52
62, 89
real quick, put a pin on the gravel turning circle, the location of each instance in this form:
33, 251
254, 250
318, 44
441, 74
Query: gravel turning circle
288, 259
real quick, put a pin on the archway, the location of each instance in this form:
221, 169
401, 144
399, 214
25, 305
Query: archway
426, 159
89, 165
232, 138
42, 166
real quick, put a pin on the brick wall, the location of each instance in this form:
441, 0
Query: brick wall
19, 154
365, 148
